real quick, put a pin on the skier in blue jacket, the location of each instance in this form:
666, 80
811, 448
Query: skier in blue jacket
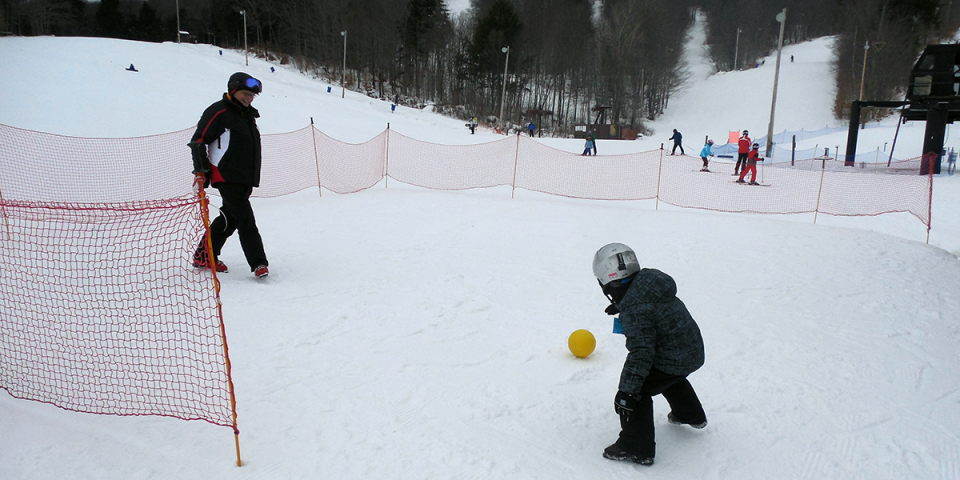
677, 142
706, 153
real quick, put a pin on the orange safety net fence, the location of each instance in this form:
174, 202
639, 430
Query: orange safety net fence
45, 167
101, 310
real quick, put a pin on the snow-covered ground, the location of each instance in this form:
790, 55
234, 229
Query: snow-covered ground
410, 334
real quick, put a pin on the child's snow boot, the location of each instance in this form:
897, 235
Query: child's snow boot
614, 452
676, 421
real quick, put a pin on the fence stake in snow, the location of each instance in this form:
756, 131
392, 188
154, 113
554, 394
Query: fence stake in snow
316, 157
516, 161
212, 263
386, 159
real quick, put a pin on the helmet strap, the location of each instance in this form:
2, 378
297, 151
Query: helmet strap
617, 289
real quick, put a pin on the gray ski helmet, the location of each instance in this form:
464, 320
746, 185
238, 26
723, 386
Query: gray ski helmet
614, 261
242, 81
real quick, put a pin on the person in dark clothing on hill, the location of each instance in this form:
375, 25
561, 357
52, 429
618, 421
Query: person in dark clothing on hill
226, 151
677, 139
664, 346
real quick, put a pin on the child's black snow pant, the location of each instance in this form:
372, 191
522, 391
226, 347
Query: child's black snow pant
636, 411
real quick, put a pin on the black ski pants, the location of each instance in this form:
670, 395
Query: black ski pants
236, 215
741, 162
636, 411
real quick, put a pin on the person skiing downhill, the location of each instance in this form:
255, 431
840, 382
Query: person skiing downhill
226, 151
588, 145
593, 141
706, 153
751, 165
664, 346
743, 148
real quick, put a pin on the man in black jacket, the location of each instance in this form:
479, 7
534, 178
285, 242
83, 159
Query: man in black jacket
226, 150
664, 346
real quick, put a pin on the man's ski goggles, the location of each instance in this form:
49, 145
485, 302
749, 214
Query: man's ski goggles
253, 85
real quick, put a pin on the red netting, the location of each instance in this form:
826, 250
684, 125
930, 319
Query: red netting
44, 167
854, 192
684, 185
451, 167
289, 164
612, 177
812, 185
349, 168
101, 310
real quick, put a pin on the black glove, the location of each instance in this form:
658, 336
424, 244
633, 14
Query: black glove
612, 309
624, 404
201, 164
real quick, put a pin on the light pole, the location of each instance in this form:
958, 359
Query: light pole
178, 21
782, 18
245, 58
863, 74
343, 72
736, 51
503, 94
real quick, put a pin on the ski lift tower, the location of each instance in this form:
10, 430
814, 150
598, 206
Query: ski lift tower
933, 96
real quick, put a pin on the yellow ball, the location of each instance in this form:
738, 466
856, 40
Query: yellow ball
581, 343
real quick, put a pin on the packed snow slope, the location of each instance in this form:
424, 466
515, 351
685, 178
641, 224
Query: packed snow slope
413, 334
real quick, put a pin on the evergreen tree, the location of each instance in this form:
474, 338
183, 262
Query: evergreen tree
424, 30
109, 20
148, 26
497, 28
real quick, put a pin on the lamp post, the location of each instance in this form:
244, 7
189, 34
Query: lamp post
503, 94
863, 74
245, 57
178, 21
343, 90
782, 18
736, 51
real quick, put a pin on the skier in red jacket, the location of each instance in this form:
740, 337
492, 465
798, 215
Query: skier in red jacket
743, 148
752, 158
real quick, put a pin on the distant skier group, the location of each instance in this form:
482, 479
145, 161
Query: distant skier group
748, 154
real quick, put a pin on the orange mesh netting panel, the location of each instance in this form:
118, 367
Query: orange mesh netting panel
451, 167
101, 310
788, 191
45, 167
289, 163
347, 167
609, 177
865, 191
